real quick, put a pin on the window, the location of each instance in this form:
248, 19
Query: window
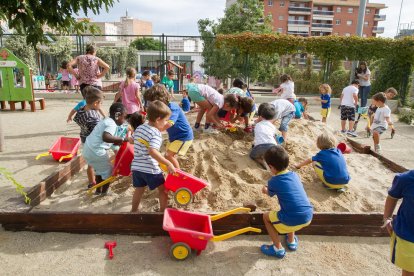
368, 11
338, 9
366, 23
364, 35
338, 22
282, 3
350, 10
349, 22
19, 78
281, 17
280, 30
270, 3
347, 34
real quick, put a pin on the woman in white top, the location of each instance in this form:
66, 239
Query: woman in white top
364, 77
287, 89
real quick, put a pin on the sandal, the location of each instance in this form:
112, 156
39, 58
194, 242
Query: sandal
269, 250
292, 246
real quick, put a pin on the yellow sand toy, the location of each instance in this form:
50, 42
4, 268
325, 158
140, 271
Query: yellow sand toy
190, 230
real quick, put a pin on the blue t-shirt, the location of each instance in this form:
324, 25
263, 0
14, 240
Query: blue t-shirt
299, 109
185, 104
326, 97
333, 165
180, 129
403, 187
295, 208
80, 105
148, 84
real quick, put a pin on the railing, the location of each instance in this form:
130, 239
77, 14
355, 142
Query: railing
299, 22
321, 25
299, 9
318, 12
380, 17
298, 33
378, 30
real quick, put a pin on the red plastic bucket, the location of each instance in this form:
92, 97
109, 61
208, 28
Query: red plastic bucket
123, 160
344, 148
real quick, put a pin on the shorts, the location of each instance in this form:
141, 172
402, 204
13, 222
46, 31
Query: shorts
379, 129
260, 150
194, 94
284, 124
283, 228
347, 113
179, 147
65, 83
325, 112
141, 179
101, 164
319, 172
402, 253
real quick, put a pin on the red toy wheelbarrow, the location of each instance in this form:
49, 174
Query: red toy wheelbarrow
184, 186
192, 231
65, 148
122, 165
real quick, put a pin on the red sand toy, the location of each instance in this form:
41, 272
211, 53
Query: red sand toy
65, 148
190, 230
122, 165
110, 245
184, 186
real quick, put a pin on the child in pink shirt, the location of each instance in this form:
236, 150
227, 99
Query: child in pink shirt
129, 93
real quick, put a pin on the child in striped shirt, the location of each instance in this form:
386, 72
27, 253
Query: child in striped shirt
147, 157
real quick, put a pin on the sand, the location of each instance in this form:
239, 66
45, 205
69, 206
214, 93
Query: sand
222, 160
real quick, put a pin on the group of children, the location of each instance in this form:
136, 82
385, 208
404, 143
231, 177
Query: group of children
162, 115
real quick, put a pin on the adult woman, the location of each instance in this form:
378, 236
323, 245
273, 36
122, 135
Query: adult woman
88, 66
363, 75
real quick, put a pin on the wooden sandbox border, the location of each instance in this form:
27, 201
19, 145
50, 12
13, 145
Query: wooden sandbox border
328, 224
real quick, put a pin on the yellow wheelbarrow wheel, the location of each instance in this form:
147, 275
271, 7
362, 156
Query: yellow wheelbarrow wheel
180, 251
183, 196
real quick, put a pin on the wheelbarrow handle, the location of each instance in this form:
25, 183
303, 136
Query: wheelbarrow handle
70, 155
235, 233
228, 213
106, 181
42, 155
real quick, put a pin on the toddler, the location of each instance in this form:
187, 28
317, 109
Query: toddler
382, 119
349, 101
129, 93
287, 89
301, 105
185, 102
285, 111
326, 92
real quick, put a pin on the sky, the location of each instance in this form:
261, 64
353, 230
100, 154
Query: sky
179, 17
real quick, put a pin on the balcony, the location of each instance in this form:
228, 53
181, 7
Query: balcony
297, 33
380, 17
321, 25
298, 22
319, 12
300, 10
378, 30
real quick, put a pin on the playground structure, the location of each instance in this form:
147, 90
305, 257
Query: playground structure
16, 84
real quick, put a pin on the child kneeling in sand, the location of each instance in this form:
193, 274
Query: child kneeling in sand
295, 209
264, 133
99, 142
401, 228
329, 163
147, 157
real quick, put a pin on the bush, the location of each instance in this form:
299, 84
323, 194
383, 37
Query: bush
406, 117
338, 80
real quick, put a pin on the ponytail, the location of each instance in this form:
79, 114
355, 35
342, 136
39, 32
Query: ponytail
130, 73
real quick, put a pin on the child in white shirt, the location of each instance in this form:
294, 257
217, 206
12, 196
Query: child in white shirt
349, 101
382, 119
287, 89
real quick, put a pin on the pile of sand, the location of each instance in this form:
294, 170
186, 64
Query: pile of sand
223, 161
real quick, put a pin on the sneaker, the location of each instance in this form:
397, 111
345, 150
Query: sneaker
211, 130
377, 149
90, 185
352, 133
343, 131
270, 250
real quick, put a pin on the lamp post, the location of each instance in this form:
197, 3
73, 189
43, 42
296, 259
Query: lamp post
359, 31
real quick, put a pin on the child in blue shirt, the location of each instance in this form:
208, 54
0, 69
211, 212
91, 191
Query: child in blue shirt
100, 141
329, 163
180, 133
295, 209
185, 103
401, 228
301, 105
325, 91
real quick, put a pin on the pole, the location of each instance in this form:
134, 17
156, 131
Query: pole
399, 18
360, 27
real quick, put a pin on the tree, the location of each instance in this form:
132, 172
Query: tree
132, 57
146, 44
17, 44
61, 48
30, 17
121, 60
243, 16
106, 54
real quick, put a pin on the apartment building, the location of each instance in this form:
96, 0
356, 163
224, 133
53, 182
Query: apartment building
323, 17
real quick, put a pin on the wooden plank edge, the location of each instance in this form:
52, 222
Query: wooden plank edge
47, 186
367, 150
151, 223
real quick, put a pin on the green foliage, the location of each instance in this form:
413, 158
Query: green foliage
146, 44
245, 15
61, 48
338, 80
19, 188
29, 17
17, 44
132, 58
406, 117
106, 54
121, 60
